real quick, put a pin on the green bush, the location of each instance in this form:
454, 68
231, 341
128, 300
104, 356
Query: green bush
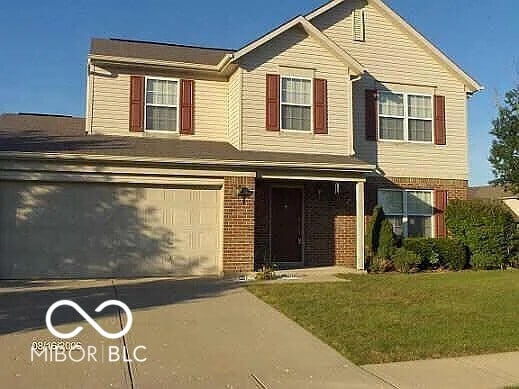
433, 253
404, 260
489, 261
453, 254
425, 248
386, 242
373, 231
487, 228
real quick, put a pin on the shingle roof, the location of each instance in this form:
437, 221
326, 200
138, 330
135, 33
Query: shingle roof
58, 134
489, 192
25, 124
158, 51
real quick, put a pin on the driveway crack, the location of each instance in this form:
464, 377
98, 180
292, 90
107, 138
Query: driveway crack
124, 341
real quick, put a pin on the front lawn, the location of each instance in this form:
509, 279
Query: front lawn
389, 318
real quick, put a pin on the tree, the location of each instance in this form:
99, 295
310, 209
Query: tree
504, 154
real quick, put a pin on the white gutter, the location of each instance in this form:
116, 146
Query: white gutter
361, 168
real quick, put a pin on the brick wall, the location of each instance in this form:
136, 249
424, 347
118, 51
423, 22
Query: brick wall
238, 231
330, 221
330, 227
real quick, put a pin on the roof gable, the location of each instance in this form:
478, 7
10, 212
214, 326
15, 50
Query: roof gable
471, 84
312, 31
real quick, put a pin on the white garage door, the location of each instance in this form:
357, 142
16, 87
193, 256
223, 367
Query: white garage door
83, 230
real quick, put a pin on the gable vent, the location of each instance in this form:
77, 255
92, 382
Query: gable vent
358, 25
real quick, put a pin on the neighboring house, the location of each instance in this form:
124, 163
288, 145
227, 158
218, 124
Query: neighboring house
212, 161
496, 193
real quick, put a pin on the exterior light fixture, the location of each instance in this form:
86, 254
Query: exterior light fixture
244, 193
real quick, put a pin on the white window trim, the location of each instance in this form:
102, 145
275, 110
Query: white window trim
406, 118
177, 106
311, 105
405, 215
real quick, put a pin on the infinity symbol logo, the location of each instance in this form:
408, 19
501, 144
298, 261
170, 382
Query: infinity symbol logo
86, 316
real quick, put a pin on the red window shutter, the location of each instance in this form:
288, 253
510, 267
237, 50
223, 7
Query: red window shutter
371, 112
136, 103
320, 106
187, 106
272, 102
440, 135
440, 202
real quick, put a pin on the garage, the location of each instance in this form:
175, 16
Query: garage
88, 230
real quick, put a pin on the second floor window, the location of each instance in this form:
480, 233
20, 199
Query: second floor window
161, 104
409, 211
405, 117
296, 104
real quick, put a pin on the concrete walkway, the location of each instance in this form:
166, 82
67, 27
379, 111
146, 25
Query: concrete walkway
197, 334
218, 335
476, 372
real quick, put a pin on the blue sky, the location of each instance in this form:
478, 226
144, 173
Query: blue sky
44, 45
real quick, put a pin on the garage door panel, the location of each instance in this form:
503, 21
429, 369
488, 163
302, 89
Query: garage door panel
94, 230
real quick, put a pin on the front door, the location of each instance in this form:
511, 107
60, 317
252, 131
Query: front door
286, 222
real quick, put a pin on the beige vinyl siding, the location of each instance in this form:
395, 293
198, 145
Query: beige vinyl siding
295, 48
110, 99
392, 56
110, 108
235, 108
513, 204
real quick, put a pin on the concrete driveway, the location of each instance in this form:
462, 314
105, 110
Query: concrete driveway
196, 334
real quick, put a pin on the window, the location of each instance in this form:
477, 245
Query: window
358, 25
161, 104
296, 104
405, 117
409, 211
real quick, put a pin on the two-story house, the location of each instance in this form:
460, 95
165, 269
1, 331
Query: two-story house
211, 161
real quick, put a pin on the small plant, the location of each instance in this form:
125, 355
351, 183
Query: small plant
266, 273
434, 260
405, 260
380, 265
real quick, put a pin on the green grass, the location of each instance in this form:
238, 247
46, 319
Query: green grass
389, 318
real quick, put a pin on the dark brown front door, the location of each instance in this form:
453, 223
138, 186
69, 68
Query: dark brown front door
286, 236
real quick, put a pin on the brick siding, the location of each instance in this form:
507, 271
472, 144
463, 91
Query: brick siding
238, 231
330, 221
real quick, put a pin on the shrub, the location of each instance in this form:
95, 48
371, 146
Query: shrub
404, 260
449, 253
380, 265
453, 253
386, 242
266, 273
485, 227
425, 248
373, 231
482, 261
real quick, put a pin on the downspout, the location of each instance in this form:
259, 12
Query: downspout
350, 114
90, 96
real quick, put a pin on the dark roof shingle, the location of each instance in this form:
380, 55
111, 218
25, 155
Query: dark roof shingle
158, 51
489, 192
56, 134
